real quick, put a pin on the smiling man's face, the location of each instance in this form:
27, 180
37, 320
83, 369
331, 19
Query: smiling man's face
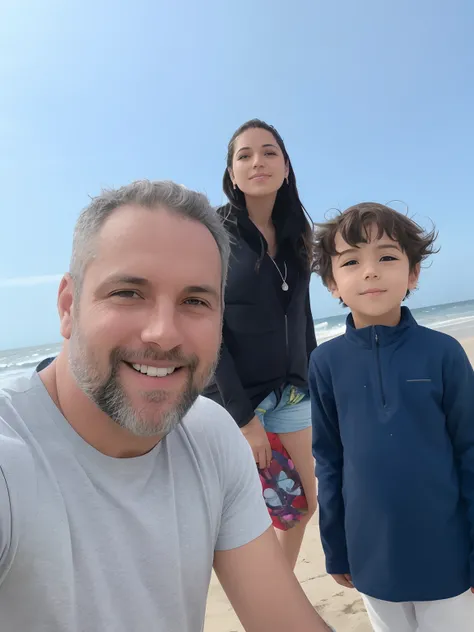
144, 333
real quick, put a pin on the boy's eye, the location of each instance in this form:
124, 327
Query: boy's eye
388, 258
349, 263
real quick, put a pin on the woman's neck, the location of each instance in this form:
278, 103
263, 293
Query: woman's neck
260, 210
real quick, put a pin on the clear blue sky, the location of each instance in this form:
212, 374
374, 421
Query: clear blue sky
374, 99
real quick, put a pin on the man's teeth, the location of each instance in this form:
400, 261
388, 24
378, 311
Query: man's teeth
153, 371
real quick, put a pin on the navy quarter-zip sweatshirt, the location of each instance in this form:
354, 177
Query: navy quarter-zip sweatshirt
393, 439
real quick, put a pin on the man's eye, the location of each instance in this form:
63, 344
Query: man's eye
196, 302
126, 294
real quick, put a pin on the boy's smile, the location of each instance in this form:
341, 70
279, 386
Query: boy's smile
372, 279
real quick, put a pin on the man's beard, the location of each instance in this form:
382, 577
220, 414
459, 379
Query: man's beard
109, 396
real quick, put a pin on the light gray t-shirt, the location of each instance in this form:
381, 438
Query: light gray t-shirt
93, 543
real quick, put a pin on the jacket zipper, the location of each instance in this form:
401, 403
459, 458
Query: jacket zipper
379, 370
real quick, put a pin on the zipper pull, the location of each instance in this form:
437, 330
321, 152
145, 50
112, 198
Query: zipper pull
376, 338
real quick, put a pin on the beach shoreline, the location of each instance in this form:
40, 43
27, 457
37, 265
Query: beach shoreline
340, 607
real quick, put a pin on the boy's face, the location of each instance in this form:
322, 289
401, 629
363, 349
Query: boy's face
372, 279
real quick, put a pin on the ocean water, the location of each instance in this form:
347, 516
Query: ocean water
456, 319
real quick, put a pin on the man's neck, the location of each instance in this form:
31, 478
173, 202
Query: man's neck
90, 423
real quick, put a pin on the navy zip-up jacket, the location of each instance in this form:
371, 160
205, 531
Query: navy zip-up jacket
393, 425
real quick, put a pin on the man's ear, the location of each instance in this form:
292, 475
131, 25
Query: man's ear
66, 305
414, 277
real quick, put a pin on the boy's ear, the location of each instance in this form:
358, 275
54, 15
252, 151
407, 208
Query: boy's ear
413, 277
332, 287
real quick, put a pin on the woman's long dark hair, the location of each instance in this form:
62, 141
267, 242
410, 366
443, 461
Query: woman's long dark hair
289, 215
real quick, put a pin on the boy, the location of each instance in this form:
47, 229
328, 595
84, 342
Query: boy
393, 423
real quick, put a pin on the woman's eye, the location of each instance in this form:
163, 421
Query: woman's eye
242, 156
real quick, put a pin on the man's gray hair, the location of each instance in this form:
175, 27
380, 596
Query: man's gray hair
149, 194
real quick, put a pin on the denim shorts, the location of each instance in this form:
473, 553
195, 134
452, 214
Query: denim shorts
288, 410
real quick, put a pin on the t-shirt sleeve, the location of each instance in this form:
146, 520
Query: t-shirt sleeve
5, 523
244, 513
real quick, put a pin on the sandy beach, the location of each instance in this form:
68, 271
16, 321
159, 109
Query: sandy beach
340, 607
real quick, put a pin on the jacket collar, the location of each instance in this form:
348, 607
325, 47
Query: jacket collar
385, 336
243, 224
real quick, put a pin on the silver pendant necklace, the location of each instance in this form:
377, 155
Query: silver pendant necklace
284, 285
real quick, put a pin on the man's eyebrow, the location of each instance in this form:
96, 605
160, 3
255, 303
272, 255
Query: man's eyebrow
126, 279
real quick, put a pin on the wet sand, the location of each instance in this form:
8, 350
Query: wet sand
339, 606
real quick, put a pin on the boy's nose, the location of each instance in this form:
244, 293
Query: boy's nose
371, 273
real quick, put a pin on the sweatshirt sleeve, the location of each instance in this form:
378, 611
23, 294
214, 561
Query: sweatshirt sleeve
458, 405
233, 395
310, 334
328, 452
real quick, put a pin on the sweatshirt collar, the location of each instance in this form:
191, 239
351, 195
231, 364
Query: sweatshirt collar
366, 336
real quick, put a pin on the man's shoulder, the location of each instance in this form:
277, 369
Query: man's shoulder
207, 419
208, 411
214, 440
16, 386
16, 460
18, 396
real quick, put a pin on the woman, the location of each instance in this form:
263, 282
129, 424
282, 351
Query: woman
268, 332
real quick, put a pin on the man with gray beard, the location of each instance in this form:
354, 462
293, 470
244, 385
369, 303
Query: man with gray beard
120, 487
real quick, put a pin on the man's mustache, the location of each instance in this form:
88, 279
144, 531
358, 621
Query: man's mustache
174, 356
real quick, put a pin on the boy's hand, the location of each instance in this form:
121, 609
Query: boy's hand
255, 434
344, 580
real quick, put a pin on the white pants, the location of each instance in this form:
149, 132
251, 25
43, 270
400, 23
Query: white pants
446, 615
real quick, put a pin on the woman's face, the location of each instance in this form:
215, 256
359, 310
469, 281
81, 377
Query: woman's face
258, 165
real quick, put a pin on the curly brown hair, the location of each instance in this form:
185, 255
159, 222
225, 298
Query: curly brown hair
354, 225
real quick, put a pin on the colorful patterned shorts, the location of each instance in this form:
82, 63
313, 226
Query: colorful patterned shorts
281, 484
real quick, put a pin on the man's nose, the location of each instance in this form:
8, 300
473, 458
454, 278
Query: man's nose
162, 327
